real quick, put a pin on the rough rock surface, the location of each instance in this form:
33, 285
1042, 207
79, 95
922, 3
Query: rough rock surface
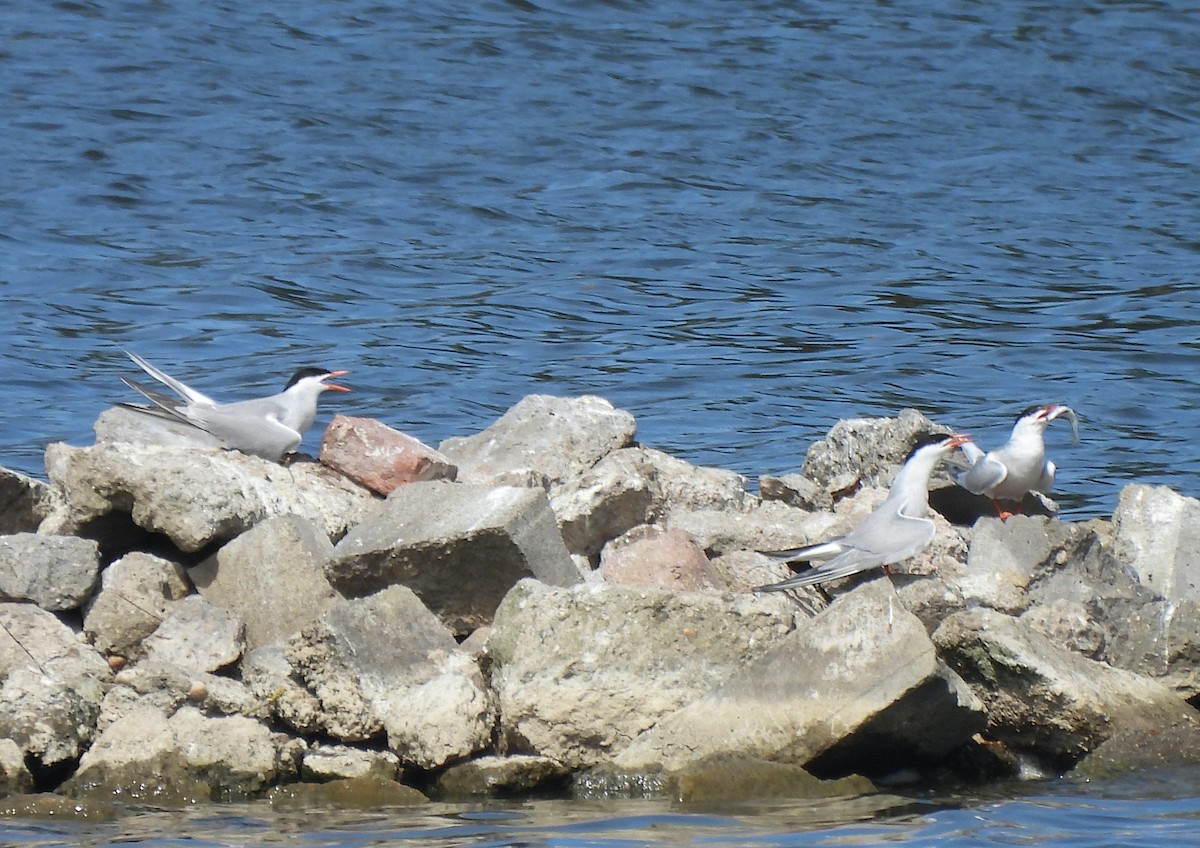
385, 663
580, 672
635, 486
52, 687
14, 775
146, 755
167, 687
24, 502
770, 526
144, 426
136, 594
272, 576
380, 458
729, 777
499, 776
1157, 532
652, 556
542, 441
459, 547
829, 688
55, 572
194, 497
197, 635
348, 793
866, 451
325, 762
1045, 699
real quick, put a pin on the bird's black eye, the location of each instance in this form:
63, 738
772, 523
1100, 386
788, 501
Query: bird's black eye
304, 373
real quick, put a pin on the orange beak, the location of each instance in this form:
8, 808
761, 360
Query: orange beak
334, 386
959, 439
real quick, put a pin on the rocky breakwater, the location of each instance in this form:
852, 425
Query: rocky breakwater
549, 606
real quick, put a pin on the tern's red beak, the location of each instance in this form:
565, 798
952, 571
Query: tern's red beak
959, 439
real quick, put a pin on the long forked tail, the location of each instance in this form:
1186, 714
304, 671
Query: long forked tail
188, 394
164, 402
824, 550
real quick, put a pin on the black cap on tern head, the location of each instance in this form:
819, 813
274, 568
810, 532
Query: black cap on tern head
924, 440
303, 373
1025, 413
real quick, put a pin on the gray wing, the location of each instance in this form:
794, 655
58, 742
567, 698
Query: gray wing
824, 550
881, 540
984, 475
245, 428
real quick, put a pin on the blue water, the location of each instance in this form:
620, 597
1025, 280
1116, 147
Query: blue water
1135, 813
741, 221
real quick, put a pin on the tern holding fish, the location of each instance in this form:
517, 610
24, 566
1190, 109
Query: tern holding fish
1020, 466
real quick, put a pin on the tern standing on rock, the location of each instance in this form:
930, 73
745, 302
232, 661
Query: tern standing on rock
1020, 466
898, 529
268, 427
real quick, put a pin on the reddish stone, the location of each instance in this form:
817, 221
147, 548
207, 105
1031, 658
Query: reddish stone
652, 556
376, 456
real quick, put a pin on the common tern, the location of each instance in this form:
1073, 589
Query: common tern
1020, 466
898, 529
268, 427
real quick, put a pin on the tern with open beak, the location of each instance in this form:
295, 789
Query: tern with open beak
1020, 466
268, 427
898, 529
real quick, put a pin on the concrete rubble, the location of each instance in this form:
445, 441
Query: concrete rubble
547, 607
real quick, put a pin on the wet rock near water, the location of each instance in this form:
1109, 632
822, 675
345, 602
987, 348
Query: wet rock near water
549, 607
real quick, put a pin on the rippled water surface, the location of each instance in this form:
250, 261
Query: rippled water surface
741, 221
1147, 812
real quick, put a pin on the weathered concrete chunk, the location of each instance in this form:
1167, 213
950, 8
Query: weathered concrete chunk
1045, 699
635, 486
146, 755
268, 674
1005, 558
459, 547
385, 663
52, 688
196, 497
500, 776
55, 572
542, 441
580, 672
346, 793
654, 556
24, 502
868, 449
130, 425
380, 458
770, 526
729, 777
168, 687
136, 593
794, 490
325, 762
1157, 532
829, 688
14, 774
1140, 749
272, 576
197, 635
